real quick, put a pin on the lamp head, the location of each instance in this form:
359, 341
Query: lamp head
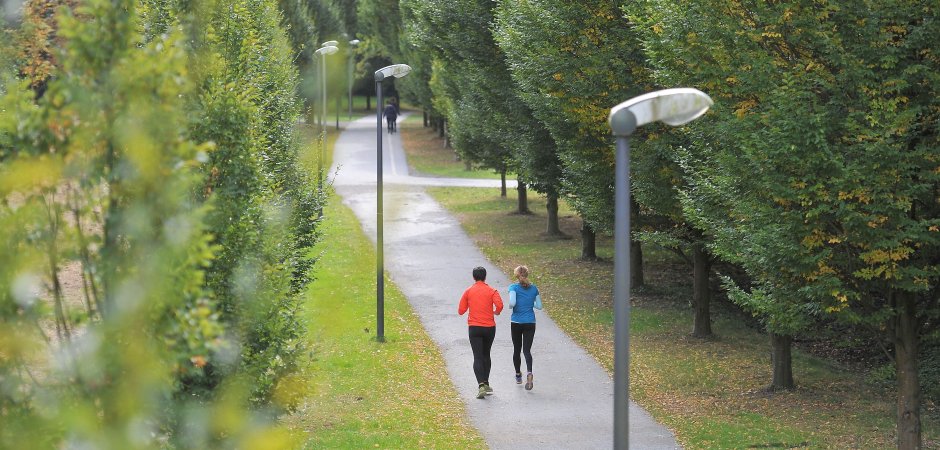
329, 44
328, 50
354, 42
671, 106
395, 70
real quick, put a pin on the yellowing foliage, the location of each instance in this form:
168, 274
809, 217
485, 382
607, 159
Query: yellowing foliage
861, 194
877, 221
880, 256
841, 298
743, 107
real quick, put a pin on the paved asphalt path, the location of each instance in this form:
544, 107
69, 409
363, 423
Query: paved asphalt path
429, 257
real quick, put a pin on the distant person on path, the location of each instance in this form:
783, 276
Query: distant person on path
391, 117
483, 302
524, 298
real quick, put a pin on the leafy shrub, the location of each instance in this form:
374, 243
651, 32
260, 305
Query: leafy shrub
166, 168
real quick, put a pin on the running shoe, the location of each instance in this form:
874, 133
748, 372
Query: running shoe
518, 378
528, 381
489, 390
482, 392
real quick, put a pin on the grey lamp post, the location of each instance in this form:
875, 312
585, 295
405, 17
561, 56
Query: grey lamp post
326, 49
395, 71
673, 107
349, 70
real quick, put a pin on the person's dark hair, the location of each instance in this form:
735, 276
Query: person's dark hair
479, 274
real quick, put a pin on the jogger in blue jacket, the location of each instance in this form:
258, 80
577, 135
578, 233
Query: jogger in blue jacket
524, 299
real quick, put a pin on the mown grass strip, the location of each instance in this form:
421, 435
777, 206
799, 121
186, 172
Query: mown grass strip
364, 394
427, 160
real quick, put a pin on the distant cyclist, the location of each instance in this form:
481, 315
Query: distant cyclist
391, 117
524, 299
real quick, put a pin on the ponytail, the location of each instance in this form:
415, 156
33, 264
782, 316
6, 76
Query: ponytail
522, 274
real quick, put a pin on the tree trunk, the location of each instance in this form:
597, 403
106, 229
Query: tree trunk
701, 295
424, 115
523, 204
502, 186
588, 242
111, 250
551, 207
368, 103
442, 133
905, 360
636, 250
782, 362
61, 321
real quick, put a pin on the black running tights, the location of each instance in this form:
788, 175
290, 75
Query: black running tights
481, 341
522, 335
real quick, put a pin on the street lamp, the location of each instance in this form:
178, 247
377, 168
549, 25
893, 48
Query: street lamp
673, 107
349, 70
326, 49
393, 71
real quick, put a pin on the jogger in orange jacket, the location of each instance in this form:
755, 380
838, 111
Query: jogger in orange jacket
483, 302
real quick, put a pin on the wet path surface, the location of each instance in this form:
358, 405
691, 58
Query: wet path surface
429, 257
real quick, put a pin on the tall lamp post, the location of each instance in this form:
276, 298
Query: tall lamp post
393, 71
673, 107
328, 48
349, 71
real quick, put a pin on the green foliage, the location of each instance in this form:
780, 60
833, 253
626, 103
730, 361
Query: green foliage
266, 205
840, 197
489, 124
163, 171
571, 64
118, 152
817, 169
378, 24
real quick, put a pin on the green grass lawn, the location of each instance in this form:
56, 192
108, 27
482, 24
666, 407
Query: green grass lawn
426, 154
365, 394
711, 393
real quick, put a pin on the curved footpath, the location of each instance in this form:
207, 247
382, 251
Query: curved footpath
429, 257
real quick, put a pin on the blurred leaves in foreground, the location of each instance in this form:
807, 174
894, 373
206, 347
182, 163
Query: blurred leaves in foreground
155, 227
